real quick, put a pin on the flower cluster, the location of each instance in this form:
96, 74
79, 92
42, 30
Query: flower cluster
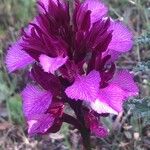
72, 58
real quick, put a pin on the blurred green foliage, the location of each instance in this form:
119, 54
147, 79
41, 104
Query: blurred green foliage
14, 107
17, 12
14, 14
25, 10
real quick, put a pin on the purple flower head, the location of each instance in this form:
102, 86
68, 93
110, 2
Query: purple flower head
72, 57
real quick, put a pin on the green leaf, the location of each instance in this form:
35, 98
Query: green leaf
140, 110
139, 107
142, 67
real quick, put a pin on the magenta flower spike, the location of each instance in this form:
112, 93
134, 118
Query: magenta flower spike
72, 60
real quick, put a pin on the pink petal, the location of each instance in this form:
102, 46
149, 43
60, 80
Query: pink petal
17, 58
35, 100
110, 100
113, 96
125, 81
39, 124
122, 38
85, 87
98, 9
50, 65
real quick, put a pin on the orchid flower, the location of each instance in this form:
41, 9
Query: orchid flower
72, 60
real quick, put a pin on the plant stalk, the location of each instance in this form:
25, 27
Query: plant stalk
86, 139
85, 133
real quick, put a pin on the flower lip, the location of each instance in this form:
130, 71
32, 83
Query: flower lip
41, 113
35, 100
85, 87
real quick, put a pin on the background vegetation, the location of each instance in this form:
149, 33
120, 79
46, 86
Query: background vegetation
129, 131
